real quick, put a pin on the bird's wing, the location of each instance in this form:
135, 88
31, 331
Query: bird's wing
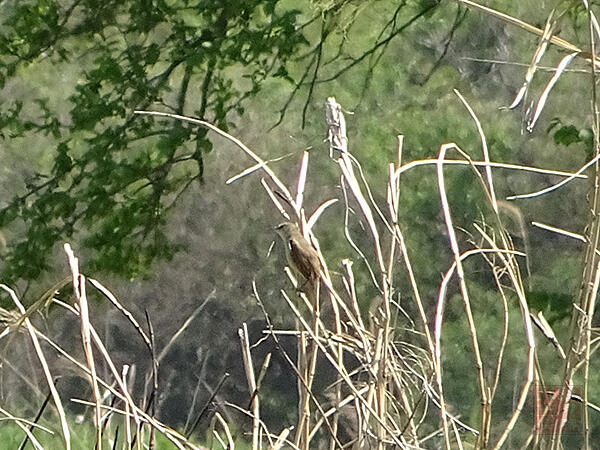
306, 261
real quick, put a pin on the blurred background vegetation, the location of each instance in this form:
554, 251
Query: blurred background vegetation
144, 201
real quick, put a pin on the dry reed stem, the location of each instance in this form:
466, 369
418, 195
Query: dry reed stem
504, 338
84, 319
335, 409
465, 296
154, 373
593, 26
579, 338
281, 439
560, 231
339, 142
348, 236
301, 183
555, 40
492, 164
393, 201
126, 397
438, 321
252, 385
484, 150
148, 341
341, 370
110, 297
127, 414
184, 326
318, 211
288, 359
115, 372
170, 434
507, 246
274, 199
40, 354
558, 185
564, 62
23, 421
117, 376
547, 34
528, 328
263, 164
253, 169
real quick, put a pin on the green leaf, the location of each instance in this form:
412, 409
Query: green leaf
567, 135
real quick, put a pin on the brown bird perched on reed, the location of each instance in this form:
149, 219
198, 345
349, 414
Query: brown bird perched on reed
301, 255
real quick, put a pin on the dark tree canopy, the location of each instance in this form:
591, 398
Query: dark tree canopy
115, 175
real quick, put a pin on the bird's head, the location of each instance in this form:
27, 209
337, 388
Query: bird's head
286, 230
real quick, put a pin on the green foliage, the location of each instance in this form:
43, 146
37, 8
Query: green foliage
115, 175
570, 134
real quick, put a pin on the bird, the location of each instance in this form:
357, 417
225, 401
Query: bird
301, 255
